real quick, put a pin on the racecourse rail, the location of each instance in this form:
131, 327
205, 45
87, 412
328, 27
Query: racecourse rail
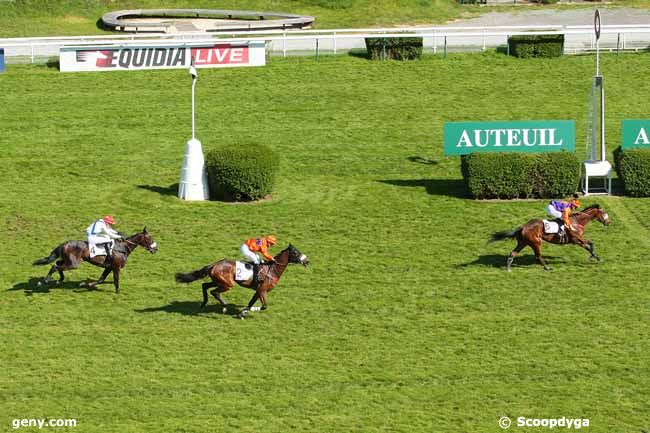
578, 39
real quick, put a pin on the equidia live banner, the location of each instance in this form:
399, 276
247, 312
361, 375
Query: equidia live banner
461, 138
129, 57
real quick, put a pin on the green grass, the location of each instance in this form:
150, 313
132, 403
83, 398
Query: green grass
405, 322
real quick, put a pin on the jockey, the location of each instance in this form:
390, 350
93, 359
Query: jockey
261, 245
560, 210
254, 245
101, 233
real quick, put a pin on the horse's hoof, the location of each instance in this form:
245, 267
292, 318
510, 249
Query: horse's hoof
57, 283
39, 284
83, 284
546, 268
224, 310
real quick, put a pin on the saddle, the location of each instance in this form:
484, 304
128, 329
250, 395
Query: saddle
551, 227
243, 271
99, 250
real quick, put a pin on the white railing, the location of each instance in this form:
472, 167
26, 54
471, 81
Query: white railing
577, 39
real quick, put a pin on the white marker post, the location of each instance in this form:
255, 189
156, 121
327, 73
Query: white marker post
597, 165
194, 179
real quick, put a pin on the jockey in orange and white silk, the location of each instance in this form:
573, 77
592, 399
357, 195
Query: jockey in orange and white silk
255, 245
100, 232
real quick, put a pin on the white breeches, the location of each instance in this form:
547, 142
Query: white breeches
553, 212
94, 240
246, 252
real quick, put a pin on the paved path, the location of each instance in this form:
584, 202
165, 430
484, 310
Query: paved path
577, 17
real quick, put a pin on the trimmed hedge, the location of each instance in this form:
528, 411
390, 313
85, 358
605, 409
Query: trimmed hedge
633, 168
241, 172
394, 48
536, 46
520, 175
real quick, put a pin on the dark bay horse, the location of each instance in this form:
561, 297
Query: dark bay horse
222, 274
72, 253
532, 234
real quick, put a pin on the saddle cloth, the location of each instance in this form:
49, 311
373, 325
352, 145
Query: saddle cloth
551, 227
243, 271
99, 250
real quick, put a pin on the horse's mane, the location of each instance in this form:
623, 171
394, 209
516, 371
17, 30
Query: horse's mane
588, 208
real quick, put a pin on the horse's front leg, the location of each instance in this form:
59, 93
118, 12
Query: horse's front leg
116, 278
243, 313
101, 279
589, 246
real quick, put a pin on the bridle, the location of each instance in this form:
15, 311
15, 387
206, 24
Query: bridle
135, 244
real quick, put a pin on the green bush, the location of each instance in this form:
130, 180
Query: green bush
618, 152
556, 174
519, 175
536, 45
241, 172
394, 48
633, 167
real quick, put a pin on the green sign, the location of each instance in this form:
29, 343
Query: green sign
527, 136
636, 133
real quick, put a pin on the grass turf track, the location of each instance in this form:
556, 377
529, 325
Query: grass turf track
406, 321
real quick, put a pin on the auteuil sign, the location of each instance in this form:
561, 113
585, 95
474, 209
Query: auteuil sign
636, 133
526, 136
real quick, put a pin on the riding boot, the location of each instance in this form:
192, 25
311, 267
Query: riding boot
561, 229
256, 272
108, 253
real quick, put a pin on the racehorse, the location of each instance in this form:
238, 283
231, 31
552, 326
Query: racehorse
532, 234
72, 253
223, 275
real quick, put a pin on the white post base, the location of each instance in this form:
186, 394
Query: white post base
601, 169
194, 179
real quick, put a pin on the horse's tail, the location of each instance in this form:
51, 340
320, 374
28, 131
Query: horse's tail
55, 254
501, 236
193, 276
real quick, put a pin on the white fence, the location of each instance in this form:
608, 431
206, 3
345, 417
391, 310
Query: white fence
436, 39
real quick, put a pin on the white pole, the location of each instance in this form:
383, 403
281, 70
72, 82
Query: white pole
194, 181
193, 117
603, 157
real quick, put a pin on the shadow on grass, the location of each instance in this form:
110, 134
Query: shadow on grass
53, 63
447, 187
421, 160
31, 287
499, 261
162, 190
191, 308
359, 53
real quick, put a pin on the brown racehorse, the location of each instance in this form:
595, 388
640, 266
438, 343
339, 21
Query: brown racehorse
222, 274
72, 253
532, 234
